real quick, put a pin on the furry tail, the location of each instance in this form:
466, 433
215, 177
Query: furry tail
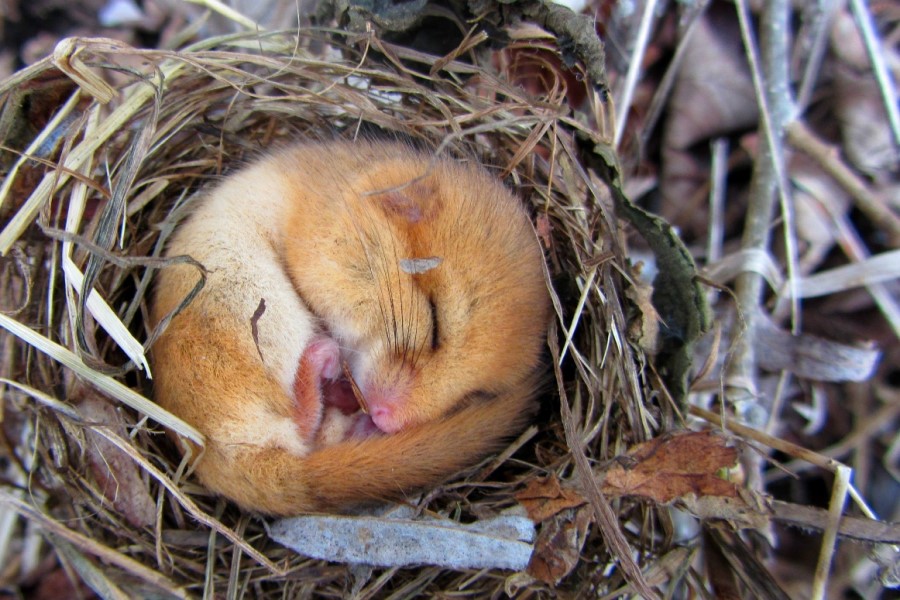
354, 473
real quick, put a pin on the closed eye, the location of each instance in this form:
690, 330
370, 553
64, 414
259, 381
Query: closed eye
472, 399
435, 339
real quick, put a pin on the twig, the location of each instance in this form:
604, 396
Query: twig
767, 440
829, 537
856, 528
854, 247
773, 95
718, 185
634, 68
664, 90
823, 12
799, 136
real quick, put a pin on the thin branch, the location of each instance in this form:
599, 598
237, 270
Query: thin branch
773, 95
799, 136
634, 68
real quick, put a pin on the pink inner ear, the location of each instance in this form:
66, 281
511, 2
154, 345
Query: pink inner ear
402, 206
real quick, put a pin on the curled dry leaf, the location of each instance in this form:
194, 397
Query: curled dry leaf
675, 466
545, 497
644, 327
558, 546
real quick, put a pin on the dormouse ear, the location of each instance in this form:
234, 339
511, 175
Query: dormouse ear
413, 203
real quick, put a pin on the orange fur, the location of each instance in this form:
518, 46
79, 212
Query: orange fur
426, 272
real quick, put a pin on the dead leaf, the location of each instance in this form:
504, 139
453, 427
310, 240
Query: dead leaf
544, 230
502, 542
644, 328
545, 497
558, 546
673, 466
116, 474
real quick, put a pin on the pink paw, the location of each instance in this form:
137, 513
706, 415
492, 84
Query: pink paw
320, 361
363, 428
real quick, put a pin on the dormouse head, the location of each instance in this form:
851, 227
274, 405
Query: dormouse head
427, 272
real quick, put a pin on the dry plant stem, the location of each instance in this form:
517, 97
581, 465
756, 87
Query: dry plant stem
718, 186
821, 22
104, 383
603, 513
87, 148
828, 157
775, 106
854, 247
229, 13
829, 537
33, 149
772, 442
234, 588
876, 56
634, 68
865, 429
77, 564
213, 523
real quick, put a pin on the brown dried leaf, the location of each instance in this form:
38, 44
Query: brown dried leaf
558, 546
673, 466
545, 497
644, 328
117, 475
544, 230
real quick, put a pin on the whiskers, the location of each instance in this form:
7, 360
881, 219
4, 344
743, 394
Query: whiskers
403, 311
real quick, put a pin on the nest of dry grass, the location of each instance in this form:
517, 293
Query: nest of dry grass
103, 143
96, 197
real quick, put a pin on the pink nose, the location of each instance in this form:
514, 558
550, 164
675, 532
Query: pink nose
385, 417
388, 401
